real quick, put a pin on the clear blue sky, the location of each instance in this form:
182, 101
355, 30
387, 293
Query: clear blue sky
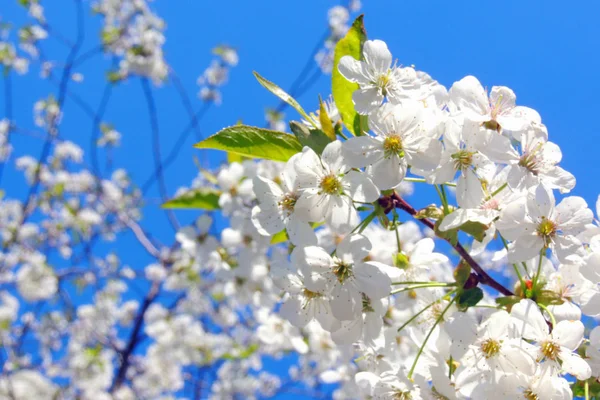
546, 51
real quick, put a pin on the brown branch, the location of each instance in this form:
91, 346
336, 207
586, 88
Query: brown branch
483, 277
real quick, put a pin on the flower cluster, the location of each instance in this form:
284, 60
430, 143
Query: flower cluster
422, 330
134, 34
311, 257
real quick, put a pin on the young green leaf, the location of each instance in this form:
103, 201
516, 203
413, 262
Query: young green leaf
326, 124
279, 92
469, 298
341, 88
253, 142
201, 198
316, 139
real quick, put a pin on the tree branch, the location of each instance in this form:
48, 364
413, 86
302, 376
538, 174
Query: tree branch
483, 276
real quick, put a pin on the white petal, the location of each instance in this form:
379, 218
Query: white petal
353, 70
529, 321
575, 365
568, 334
377, 55
367, 100
361, 188
388, 172
268, 221
372, 281
361, 151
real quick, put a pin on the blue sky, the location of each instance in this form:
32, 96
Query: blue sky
546, 51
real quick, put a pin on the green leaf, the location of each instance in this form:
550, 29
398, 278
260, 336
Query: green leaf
316, 139
508, 300
462, 273
341, 88
241, 353
280, 237
233, 157
202, 198
549, 298
279, 92
475, 229
469, 298
326, 124
253, 142
451, 235
209, 177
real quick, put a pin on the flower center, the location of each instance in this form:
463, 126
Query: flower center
529, 395
462, 160
550, 350
492, 125
393, 145
366, 304
310, 294
331, 185
342, 271
398, 395
546, 229
287, 202
382, 83
490, 347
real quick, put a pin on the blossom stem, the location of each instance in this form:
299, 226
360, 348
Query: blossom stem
421, 180
515, 266
543, 307
483, 276
424, 285
539, 270
443, 199
437, 321
501, 188
421, 283
586, 388
411, 319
